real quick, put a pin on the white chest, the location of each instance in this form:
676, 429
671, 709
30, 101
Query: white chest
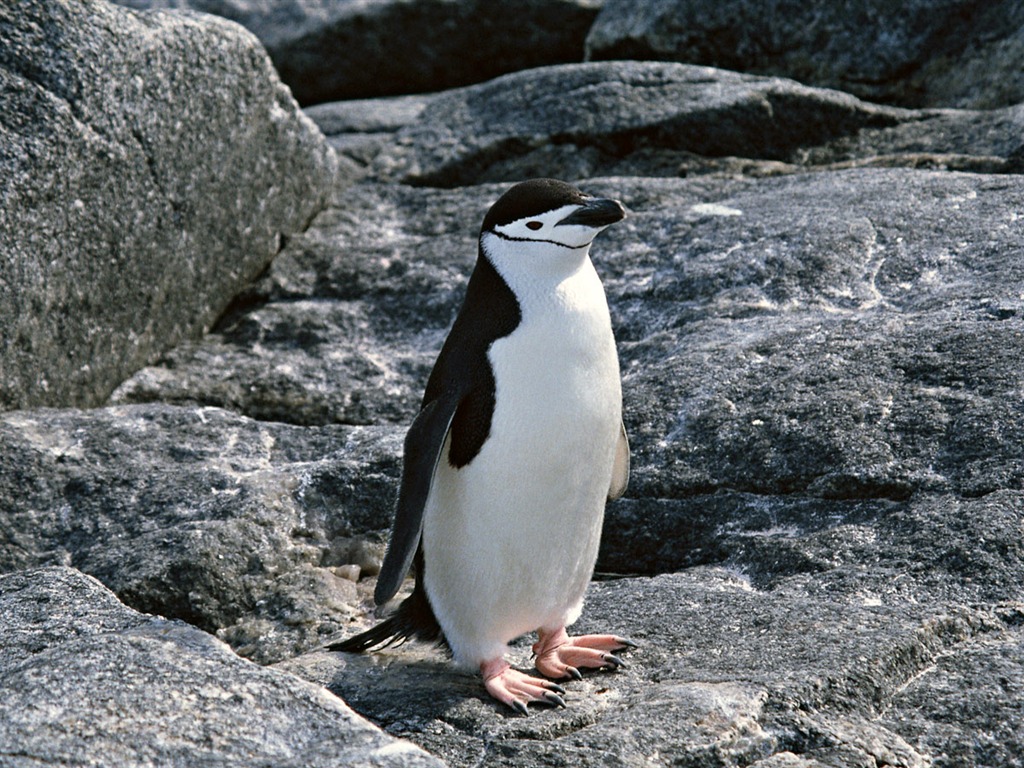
558, 371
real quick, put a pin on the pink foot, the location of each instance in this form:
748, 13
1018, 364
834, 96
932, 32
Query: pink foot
559, 655
516, 689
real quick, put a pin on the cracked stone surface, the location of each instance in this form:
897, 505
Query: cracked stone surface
87, 681
919, 52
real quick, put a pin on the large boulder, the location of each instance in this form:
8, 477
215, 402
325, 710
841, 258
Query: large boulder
352, 50
844, 335
597, 118
86, 681
135, 204
654, 119
916, 53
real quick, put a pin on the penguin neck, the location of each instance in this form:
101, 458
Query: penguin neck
534, 269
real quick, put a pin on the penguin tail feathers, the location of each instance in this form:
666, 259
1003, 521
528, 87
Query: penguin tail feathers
388, 632
413, 619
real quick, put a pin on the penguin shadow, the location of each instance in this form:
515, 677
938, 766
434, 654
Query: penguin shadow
410, 690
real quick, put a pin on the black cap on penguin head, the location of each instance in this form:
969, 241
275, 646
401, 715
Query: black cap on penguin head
531, 198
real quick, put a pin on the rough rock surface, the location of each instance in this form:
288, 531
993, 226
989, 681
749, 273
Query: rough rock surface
594, 113
135, 205
727, 674
938, 53
199, 514
654, 119
820, 316
350, 50
88, 681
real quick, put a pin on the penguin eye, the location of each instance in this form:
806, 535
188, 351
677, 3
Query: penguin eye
534, 225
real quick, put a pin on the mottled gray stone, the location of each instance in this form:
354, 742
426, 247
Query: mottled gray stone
819, 386
725, 674
347, 320
361, 129
915, 53
350, 49
87, 681
844, 336
237, 526
655, 119
820, 328
584, 119
135, 205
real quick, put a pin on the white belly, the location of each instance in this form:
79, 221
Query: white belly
510, 539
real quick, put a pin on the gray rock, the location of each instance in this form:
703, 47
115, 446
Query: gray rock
236, 526
919, 53
348, 319
361, 129
725, 674
656, 119
135, 204
87, 681
616, 118
845, 336
821, 369
806, 325
812, 366
353, 50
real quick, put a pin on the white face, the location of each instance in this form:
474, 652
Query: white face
536, 253
546, 229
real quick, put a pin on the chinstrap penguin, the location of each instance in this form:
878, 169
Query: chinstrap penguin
517, 447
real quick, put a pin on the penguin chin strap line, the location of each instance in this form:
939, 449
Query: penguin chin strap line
503, 236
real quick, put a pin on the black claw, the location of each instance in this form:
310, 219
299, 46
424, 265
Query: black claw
573, 673
554, 699
613, 662
626, 642
520, 707
554, 687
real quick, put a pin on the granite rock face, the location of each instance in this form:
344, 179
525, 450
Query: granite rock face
934, 53
135, 205
921, 53
87, 681
818, 307
351, 50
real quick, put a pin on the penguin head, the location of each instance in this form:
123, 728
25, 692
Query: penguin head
544, 225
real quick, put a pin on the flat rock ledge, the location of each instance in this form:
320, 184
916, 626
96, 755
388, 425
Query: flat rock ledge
726, 674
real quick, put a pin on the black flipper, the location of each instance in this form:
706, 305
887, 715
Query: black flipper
423, 444
459, 400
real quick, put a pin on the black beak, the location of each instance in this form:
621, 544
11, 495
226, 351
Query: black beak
596, 212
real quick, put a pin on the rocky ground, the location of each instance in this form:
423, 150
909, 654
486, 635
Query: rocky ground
218, 329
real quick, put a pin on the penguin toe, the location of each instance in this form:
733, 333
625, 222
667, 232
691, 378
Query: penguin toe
559, 656
517, 689
603, 642
554, 699
613, 662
